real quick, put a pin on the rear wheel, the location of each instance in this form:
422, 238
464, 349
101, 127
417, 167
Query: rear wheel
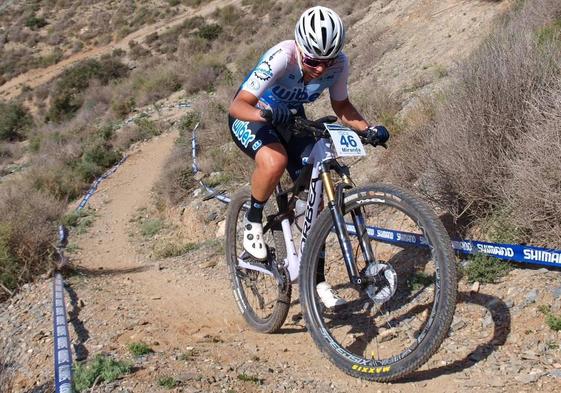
382, 334
262, 298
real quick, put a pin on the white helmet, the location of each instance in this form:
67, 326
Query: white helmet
320, 33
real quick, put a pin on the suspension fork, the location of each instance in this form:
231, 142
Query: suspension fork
335, 203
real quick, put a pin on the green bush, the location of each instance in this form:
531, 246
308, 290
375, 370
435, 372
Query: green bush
168, 382
189, 121
95, 160
148, 128
151, 227
15, 120
250, 378
123, 107
420, 280
169, 249
67, 97
485, 269
80, 219
210, 32
139, 349
552, 320
35, 23
101, 369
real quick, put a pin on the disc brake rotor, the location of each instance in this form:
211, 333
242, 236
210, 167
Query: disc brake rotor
384, 280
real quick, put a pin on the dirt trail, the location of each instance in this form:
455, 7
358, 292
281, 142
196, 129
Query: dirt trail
179, 308
39, 76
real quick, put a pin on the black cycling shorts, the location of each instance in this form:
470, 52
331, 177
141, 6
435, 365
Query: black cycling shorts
252, 136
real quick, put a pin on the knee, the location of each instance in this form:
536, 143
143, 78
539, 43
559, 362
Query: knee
274, 165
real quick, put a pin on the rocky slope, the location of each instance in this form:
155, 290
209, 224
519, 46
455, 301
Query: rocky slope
182, 307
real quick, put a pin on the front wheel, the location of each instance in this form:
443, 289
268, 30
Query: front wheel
394, 323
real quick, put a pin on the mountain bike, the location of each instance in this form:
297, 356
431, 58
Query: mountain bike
380, 247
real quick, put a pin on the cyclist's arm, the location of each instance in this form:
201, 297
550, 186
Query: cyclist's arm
243, 107
348, 114
340, 103
271, 67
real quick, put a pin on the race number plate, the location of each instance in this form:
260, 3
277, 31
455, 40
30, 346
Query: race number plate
347, 143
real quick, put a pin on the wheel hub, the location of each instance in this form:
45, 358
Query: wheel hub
383, 280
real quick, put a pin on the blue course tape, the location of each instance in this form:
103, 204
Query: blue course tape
63, 356
510, 252
96, 183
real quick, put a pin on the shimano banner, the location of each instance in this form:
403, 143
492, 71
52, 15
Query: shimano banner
510, 252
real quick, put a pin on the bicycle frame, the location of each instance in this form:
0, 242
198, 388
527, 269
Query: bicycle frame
323, 161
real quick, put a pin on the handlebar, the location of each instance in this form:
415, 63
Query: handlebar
302, 126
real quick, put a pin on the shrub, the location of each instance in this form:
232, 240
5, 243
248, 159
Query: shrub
35, 22
156, 83
101, 369
80, 219
95, 160
177, 180
122, 107
27, 229
15, 120
139, 349
189, 121
552, 320
485, 269
168, 382
170, 249
250, 378
151, 227
147, 128
496, 124
209, 32
67, 97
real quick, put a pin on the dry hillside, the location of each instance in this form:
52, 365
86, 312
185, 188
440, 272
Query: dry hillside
150, 286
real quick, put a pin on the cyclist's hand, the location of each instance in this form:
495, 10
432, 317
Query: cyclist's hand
281, 114
377, 135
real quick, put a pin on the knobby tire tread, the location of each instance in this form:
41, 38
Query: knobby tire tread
442, 320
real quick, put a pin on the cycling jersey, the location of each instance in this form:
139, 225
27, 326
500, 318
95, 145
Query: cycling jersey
278, 78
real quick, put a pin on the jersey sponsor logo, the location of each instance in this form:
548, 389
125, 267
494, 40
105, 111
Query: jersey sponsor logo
274, 54
294, 95
243, 133
264, 71
256, 145
254, 85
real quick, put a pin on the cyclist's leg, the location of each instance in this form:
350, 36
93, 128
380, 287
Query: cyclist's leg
261, 143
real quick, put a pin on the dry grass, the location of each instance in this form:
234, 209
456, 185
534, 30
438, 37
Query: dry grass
470, 157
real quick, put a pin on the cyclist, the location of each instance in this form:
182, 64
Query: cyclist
288, 75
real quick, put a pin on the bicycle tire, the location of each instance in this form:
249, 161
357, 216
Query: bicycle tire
263, 319
430, 335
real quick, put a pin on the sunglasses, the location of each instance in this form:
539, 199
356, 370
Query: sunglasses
317, 62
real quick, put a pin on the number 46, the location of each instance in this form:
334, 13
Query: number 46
348, 140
